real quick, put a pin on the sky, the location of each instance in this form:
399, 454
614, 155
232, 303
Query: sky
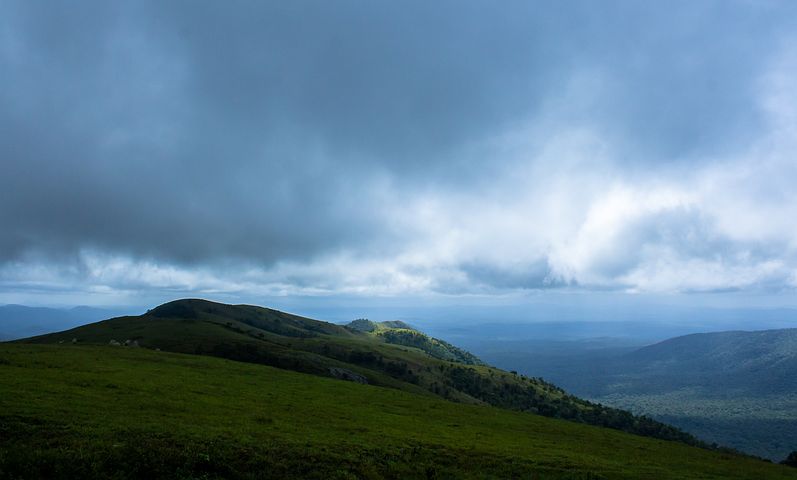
398, 152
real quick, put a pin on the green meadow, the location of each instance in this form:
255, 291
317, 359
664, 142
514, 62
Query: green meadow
71, 411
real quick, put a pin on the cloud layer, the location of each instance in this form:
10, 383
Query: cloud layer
373, 148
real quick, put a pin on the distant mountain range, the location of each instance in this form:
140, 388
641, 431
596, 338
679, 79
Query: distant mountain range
736, 388
737, 363
19, 321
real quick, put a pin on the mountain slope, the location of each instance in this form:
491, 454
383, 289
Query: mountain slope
399, 333
265, 336
734, 388
759, 361
111, 412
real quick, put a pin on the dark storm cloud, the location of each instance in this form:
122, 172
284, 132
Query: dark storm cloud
194, 132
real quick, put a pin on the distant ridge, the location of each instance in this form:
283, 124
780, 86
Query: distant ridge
19, 321
735, 388
762, 361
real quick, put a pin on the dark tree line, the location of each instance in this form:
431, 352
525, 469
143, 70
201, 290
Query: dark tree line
535, 396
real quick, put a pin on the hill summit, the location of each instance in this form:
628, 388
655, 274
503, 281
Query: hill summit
397, 332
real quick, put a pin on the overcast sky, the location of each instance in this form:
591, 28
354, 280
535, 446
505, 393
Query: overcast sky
366, 149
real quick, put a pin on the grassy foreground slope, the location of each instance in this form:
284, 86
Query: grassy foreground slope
393, 356
101, 411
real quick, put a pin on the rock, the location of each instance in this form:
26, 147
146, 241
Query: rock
114, 343
343, 374
74, 340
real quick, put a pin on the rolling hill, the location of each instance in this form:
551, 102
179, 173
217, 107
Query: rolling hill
102, 411
388, 355
733, 388
736, 388
760, 362
399, 333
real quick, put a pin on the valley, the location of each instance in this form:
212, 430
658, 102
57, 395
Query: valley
733, 388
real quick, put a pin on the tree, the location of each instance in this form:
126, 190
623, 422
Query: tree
791, 460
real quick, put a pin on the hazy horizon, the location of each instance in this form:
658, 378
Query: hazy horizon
544, 317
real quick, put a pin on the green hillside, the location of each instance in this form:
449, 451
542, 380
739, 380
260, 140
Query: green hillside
758, 362
399, 358
397, 332
72, 411
734, 388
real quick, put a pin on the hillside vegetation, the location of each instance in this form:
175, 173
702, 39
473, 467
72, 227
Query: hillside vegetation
399, 333
734, 388
115, 412
399, 358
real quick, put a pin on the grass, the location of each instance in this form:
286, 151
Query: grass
264, 336
110, 412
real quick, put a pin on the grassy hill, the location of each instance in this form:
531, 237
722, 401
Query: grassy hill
759, 361
389, 355
399, 333
79, 411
